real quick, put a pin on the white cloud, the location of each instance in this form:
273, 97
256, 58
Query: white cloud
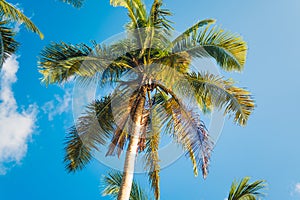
58, 106
297, 188
16, 126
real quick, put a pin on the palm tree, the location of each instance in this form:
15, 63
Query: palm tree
153, 81
112, 183
8, 14
238, 191
246, 191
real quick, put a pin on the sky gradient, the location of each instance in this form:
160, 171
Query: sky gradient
268, 148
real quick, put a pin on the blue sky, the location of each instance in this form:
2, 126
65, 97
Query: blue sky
268, 148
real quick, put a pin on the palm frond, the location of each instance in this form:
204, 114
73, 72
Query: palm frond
194, 161
212, 89
92, 129
190, 131
178, 61
192, 30
75, 3
124, 101
158, 17
167, 118
140, 9
60, 61
228, 49
151, 154
8, 44
185, 126
12, 13
136, 11
112, 183
246, 191
78, 154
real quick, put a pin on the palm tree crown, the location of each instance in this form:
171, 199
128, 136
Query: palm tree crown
246, 191
153, 80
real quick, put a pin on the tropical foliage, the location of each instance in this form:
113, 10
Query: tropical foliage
9, 14
246, 191
239, 190
152, 81
112, 183
8, 45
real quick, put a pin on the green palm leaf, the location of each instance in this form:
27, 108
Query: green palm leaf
158, 17
92, 129
12, 13
136, 11
192, 30
8, 45
213, 90
112, 183
228, 49
58, 62
185, 126
246, 191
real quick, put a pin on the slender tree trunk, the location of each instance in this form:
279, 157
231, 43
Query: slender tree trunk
128, 171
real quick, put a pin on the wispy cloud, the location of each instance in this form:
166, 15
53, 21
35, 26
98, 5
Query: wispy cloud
297, 188
16, 125
58, 106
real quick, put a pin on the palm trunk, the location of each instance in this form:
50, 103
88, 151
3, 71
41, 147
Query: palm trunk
128, 171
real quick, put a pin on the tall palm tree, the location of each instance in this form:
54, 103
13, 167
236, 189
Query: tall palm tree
153, 81
8, 14
246, 191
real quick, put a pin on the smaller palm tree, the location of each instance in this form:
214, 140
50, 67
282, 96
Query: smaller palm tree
112, 183
246, 191
238, 191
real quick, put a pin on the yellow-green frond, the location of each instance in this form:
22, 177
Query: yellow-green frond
12, 13
223, 94
246, 191
136, 11
228, 49
192, 30
111, 184
60, 61
194, 162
